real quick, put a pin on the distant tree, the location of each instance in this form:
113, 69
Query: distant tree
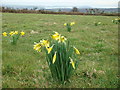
3, 8
59, 10
94, 11
75, 9
102, 12
34, 8
25, 9
87, 11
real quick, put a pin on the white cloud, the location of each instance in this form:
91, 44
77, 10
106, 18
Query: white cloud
93, 3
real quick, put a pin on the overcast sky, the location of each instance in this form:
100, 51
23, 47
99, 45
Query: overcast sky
77, 3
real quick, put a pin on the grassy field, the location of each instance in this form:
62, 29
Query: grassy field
22, 67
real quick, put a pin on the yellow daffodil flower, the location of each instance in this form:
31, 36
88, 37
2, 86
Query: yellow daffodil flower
76, 51
54, 58
71, 61
56, 36
11, 33
49, 49
16, 32
72, 23
37, 47
22, 33
65, 24
62, 39
4, 34
45, 43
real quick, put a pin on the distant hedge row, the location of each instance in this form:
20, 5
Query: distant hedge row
10, 10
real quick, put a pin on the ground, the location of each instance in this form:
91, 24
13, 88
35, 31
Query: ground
22, 67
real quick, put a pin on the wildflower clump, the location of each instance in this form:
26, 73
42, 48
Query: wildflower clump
15, 36
116, 21
69, 26
60, 55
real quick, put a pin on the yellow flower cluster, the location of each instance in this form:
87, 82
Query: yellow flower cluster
45, 43
58, 37
42, 43
71, 24
13, 33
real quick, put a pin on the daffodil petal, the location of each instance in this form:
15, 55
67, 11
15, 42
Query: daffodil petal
54, 58
71, 61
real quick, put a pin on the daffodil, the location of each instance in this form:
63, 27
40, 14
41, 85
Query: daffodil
54, 58
4, 34
76, 51
16, 32
49, 49
62, 39
45, 43
56, 36
65, 24
37, 47
72, 23
71, 61
11, 33
22, 33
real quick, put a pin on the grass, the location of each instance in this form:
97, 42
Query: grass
22, 67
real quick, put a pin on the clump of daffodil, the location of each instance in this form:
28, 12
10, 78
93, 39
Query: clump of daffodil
15, 35
60, 55
69, 26
116, 20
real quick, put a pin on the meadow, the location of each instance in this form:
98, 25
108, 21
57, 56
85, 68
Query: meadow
23, 67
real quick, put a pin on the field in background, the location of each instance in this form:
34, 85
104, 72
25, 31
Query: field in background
22, 67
